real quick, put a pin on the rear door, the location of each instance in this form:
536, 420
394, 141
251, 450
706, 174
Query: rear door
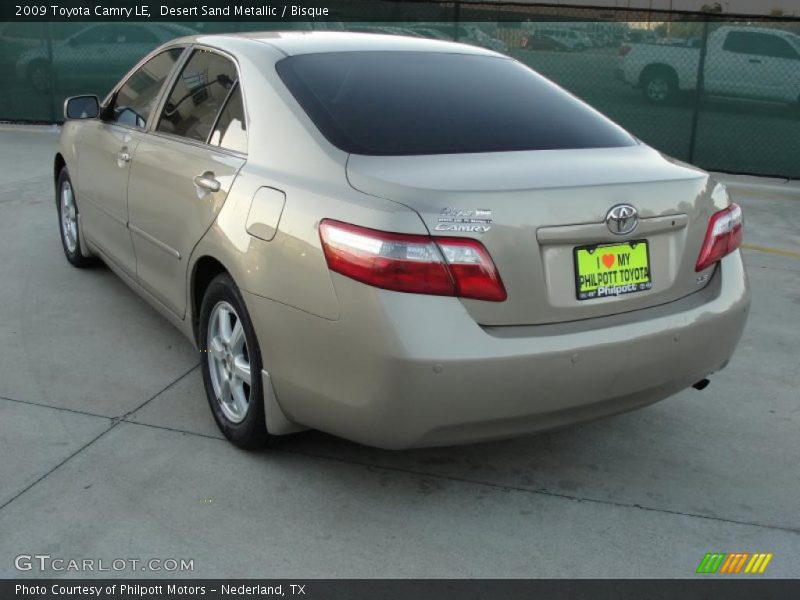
183, 171
749, 64
107, 147
775, 67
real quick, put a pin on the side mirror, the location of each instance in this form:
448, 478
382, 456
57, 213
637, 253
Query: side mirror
81, 107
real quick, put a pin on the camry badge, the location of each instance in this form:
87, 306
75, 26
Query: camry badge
478, 220
622, 219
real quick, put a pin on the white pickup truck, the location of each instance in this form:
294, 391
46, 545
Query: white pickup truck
746, 62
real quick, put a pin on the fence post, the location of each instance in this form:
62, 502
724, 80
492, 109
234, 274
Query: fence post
456, 19
700, 87
48, 36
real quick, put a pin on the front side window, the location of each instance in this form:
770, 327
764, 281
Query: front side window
412, 103
137, 97
231, 130
198, 95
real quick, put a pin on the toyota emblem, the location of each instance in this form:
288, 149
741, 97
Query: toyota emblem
622, 219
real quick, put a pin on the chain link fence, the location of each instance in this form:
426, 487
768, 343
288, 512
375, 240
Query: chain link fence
719, 92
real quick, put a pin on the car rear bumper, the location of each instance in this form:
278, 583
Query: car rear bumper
403, 370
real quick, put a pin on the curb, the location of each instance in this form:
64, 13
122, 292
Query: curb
29, 127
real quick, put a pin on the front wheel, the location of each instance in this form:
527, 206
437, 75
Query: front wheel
69, 222
231, 365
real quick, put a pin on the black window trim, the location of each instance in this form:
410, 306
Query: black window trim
218, 116
167, 90
170, 76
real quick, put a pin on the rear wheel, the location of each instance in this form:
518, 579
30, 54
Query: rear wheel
659, 86
231, 365
69, 222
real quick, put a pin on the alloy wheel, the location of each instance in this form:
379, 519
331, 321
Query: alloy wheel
69, 217
657, 89
229, 362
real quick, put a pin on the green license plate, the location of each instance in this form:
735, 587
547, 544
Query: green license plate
612, 269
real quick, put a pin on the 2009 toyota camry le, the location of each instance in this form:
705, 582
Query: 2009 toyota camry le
403, 242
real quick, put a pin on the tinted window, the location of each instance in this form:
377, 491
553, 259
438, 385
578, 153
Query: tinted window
395, 103
198, 95
93, 35
762, 44
137, 97
231, 131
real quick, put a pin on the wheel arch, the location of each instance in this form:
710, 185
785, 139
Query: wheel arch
658, 67
204, 270
58, 164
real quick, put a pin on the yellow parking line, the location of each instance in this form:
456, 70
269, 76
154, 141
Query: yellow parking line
768, 250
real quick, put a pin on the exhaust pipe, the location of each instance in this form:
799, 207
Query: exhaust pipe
702, 384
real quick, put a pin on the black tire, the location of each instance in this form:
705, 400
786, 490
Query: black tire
72, 251
40, 75
659, 86
251, 432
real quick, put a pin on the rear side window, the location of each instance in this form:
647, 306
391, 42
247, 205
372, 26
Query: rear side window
198, 95
761, 44
407, 103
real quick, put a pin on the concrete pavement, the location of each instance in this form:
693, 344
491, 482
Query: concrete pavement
109, 450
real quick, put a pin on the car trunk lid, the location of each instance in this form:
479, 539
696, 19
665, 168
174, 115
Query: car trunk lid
532, 209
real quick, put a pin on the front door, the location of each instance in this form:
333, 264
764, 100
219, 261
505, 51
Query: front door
183, 171
106, 155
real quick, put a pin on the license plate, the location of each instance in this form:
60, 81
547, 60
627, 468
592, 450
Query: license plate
606, 270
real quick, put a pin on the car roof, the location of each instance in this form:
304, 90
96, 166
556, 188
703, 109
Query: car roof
293, 43
749, 29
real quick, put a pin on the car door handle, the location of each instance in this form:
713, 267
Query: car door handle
755, 61
207, 181
124, 156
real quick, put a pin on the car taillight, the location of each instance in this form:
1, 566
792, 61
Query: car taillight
417, 264
623, 50
724, 235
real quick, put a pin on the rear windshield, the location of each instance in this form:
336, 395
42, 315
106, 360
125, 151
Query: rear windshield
401, 103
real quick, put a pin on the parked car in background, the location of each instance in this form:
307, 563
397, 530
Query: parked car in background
600, 39
97, 54
478, 37
430, 32
17, 38
569, 39
400, 241
543, 42
466, 34
743, 62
